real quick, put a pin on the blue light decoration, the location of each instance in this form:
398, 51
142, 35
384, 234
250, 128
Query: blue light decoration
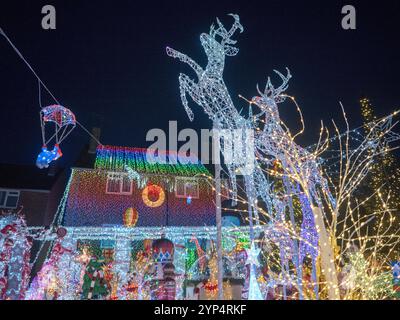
46, 157
189, 200
309, 235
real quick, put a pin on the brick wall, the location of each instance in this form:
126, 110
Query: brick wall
34, 206
55, 196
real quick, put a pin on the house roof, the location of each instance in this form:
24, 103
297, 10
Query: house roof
17, 176
148, 161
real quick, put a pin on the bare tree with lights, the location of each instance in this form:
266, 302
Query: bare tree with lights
302, 170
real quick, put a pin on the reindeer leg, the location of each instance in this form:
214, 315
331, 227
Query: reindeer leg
186, 85
232, 176
185, 59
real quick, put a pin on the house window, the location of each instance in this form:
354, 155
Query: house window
118, 183
186, 187
9, 199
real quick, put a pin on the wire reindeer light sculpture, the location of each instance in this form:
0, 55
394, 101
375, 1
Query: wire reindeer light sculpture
211, 93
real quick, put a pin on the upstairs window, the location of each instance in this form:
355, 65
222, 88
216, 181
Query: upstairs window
118, 183
186, 187
9, 199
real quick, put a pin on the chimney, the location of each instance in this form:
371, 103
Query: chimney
93, 143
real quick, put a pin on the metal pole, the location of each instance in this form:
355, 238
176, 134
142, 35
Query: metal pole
218, 210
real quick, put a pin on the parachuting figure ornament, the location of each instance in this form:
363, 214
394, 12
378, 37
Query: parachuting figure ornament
64, 122
62, 117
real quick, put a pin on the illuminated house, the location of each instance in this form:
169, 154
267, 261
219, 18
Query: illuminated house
148, 228
162, 194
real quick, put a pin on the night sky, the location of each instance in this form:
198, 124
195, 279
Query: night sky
106, 61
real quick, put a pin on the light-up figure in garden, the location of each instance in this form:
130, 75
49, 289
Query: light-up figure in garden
276, 141
300, 168
211, 93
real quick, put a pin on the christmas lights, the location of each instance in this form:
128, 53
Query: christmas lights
64, 121
114, 158
155, 192
211, 93
88, 204
14, 257
150, 239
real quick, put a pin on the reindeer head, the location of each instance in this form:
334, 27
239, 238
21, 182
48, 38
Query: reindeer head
223, 47
271, 95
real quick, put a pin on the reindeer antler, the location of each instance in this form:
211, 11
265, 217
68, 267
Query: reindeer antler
223, 33
285, 81
236, 25
274, 93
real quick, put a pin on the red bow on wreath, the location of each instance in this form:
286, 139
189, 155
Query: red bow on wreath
153, 191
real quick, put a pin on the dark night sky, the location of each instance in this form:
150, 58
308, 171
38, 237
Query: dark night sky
106, 61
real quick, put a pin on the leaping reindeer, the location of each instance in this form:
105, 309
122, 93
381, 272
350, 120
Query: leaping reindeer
211, 93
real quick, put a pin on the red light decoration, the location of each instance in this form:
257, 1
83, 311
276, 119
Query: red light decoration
153, 196
211, 287
130, 217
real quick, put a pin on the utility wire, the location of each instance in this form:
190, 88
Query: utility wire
42, 83
27, 63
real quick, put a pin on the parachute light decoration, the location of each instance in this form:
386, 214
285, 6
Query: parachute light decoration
64, 122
